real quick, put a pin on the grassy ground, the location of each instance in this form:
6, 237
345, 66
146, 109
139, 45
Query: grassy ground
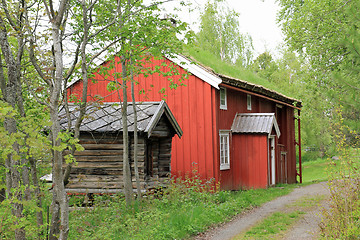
276, 225
315, 171
179, 212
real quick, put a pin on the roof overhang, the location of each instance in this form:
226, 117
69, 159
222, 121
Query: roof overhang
107, 117
196, 69
163, 108
260, 91
255, 123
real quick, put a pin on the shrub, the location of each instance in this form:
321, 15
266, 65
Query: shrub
342, 219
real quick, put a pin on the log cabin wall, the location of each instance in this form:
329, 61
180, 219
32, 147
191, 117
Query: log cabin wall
99, 167
158, 153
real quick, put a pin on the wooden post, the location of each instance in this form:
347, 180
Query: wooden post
299, 142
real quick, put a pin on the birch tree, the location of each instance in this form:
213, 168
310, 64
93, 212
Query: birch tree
219, 34
56, 15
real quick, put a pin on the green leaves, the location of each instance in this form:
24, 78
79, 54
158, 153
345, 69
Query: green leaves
219, 34
67, 142
326, 34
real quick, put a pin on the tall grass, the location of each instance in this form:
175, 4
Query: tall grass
178, 212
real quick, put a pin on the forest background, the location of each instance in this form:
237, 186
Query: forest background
45, 45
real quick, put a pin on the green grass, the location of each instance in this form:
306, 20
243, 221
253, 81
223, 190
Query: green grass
178, 214
277, 224
181, 212
306, 203
315, 171
272, 226
209, 60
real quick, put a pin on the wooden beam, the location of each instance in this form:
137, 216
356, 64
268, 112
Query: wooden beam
258, 95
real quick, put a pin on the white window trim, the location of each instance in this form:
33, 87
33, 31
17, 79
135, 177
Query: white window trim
223, 106
226, 134
248, 100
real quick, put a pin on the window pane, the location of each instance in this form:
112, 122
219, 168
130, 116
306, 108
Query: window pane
224, 150
223, 98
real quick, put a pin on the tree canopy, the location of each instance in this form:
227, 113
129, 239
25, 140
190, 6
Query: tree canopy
220, 34
326, 34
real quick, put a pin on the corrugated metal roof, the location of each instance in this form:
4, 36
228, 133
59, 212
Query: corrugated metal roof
255, 123
107, 117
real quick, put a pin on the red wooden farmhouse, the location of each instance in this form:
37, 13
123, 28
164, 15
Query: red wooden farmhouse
234, 132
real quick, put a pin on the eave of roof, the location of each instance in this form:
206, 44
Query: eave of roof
255, 123
260, 90
163, 108
196, 69
106, 117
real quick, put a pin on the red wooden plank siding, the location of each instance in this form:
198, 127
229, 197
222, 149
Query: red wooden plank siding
250, 167
192, 106
237, 102
215, 100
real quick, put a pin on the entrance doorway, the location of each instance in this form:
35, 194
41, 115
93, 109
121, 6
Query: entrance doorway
272, 160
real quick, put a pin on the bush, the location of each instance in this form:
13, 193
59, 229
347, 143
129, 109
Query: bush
342, 219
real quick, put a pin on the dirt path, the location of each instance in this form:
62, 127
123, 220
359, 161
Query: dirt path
308, 226
302, 230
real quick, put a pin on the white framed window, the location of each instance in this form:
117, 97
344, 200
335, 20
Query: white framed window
224, 149
249, 102
223, 99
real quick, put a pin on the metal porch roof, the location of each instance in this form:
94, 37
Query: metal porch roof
255, 123
106, 117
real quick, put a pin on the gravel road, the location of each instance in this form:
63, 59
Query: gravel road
306, 228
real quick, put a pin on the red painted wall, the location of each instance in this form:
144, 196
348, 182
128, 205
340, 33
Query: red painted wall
237, 103
193, 106
250, 161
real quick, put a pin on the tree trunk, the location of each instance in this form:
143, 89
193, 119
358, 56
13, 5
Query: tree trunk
135, 138
37, 191
54, 223
128, 190
84, 74
58, 178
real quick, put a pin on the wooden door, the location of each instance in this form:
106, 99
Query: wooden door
283, 167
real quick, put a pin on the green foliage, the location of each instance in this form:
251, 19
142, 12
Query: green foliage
176, 212
326, 33
315, 170
265, 66
220, 35
341, 220
33, 143
28, 222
